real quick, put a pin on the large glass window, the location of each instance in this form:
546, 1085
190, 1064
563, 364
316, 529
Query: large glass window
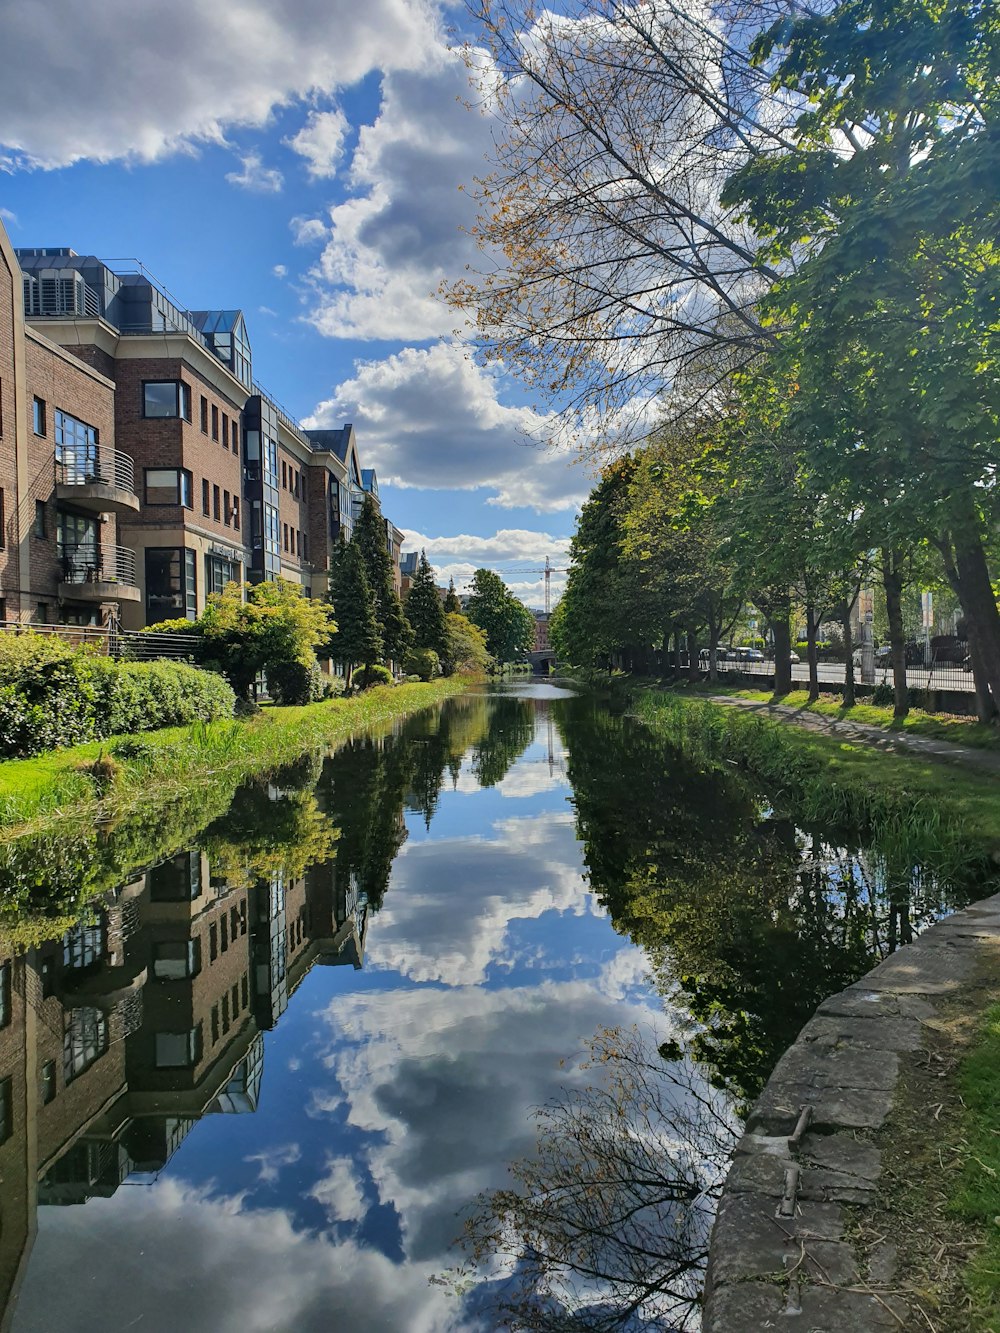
219, 571
168, 486
85, 1040
270, 461
76, 448
272, 530
178, 1050
83, 946
170, 584
166, 398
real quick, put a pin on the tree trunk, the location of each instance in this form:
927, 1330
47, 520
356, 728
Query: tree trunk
984, 704
713, 651
778, 615
677, 655
812, 653
692, 643
845, 621
892, 581
980, 607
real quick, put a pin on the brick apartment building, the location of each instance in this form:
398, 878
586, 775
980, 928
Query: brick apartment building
142, 466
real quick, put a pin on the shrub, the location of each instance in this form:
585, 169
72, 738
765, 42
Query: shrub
422, 662
294, 683
55, 696
373, 675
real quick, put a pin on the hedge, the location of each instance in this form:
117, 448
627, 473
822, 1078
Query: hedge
52, 695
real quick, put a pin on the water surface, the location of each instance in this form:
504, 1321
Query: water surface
259, 1086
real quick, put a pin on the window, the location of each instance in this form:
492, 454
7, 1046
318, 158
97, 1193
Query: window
213, 942
83, 946
168, 486
204, 496
236, 511
48, 1081
244, 991
298, 478
76, 449
227, 509
174, 960
170, 584
215, 1023
85, 1040
235, 439
225, 431
215, 422
3, 521
270, 462
215, 503
178, 1050
204, 414
5, 995
38, 415
285, 526
225, 1012
272, 530
284, 476
223, 934
166, 398
40, 518
42, 613
305, 546
219, 571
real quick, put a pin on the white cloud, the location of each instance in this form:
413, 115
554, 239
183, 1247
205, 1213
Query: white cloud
280, 271
407, 228
254, 176
307, 231
431, 418
8, 216
137, 79
321, 142
340, 1192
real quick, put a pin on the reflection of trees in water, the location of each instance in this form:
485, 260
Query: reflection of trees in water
510, 731
748, 924
607, 1225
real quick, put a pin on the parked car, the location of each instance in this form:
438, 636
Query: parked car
794, 658
748, 654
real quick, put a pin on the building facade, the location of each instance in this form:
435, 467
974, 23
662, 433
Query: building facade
143, 467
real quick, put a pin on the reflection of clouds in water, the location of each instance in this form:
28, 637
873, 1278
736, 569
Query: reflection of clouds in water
271, 1160
531, 779
340, 1192
450, 901
184, 1259
444, 1082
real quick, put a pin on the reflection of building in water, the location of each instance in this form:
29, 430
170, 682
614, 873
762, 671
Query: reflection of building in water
118, 1038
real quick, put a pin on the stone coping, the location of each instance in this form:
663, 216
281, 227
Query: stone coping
780, 1255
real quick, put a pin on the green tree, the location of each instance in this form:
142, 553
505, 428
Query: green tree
452, 606
425, 612
357, 639
276, 625
466, 653
508, 624
370, 537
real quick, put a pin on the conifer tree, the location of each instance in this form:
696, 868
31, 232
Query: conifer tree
370, 538
425, 612
357, 639
452, 606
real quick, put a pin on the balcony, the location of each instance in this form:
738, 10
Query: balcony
94, 572
97, 478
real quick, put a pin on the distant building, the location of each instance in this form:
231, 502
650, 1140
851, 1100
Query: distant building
542, 631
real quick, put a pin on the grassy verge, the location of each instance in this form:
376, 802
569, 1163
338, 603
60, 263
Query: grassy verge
975, 1197
903, 804
159, 766
935, 726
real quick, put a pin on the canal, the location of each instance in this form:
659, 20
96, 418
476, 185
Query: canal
262, 1081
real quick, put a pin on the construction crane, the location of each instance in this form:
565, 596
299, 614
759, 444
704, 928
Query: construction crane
548, 571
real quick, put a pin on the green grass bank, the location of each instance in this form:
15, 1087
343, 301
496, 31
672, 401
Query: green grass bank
106, 780
906, 805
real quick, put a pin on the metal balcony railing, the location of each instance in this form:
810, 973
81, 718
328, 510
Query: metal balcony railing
82, 466
97, 563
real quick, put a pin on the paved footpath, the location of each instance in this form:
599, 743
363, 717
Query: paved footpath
806, 1169
986, 761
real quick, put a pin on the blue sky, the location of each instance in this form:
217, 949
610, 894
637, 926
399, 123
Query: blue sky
301, 159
